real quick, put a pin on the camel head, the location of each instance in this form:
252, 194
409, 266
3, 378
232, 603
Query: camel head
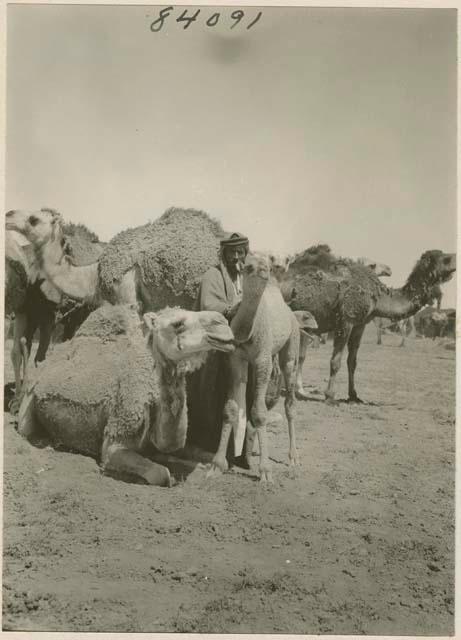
377, 268
279, 264
181, 335
307, 322
256, 273
39, 227
434, 267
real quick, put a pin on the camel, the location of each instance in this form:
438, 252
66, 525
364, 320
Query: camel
44, 230
113, 395
379, 269
156, 265
434, 323
31, 296
402, 327
406, 326
83, 248
344, 296
33, 303
263, 327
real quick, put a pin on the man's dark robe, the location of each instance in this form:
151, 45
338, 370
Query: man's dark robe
207, 387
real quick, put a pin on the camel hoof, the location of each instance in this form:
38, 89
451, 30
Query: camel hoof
218, 467
355, 400
266, 476
213, 472
331, 402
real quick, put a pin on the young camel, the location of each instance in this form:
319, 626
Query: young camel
263, 327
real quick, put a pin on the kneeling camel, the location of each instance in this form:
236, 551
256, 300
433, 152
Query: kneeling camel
111, 395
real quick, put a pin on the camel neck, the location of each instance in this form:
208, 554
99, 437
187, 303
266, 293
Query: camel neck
243, 322
397, 304
78, 283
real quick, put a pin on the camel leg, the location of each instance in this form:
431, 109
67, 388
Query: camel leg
340, 340
20, 324
263, 369
402, 329
46, 330
249, 442
379, 333
353, 347
288, 361
234, 415
303, 343
118, 458
26, 403
31, 328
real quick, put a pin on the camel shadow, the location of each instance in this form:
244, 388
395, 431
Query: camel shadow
365, 403
342, 401
310, 399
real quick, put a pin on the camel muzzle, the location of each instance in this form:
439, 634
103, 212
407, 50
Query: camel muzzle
10, 224
221, 344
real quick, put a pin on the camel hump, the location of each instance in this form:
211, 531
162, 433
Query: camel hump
172, 252
110, 321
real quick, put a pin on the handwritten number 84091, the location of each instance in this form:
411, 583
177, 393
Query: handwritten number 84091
188, 18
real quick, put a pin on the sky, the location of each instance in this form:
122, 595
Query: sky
314, 125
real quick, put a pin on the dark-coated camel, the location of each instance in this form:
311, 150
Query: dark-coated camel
344, 296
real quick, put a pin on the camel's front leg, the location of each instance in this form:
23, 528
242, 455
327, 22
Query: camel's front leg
263, 369
340, 340
353, 346
20, 324
119, 459
234, 415
303, 344
288, 362
46, 329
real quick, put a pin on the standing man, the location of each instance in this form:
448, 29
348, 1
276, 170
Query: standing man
220, 290
221, 286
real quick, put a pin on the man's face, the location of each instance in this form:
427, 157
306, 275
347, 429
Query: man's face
234, 259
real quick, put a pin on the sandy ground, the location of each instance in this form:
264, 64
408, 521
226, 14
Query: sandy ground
360, 541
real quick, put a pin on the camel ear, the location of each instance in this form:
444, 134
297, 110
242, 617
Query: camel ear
151, 321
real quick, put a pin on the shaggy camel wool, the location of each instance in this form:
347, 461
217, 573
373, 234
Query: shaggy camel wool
106, 370
172, 253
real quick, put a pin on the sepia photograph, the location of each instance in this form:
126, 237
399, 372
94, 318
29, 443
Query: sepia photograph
230, 319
